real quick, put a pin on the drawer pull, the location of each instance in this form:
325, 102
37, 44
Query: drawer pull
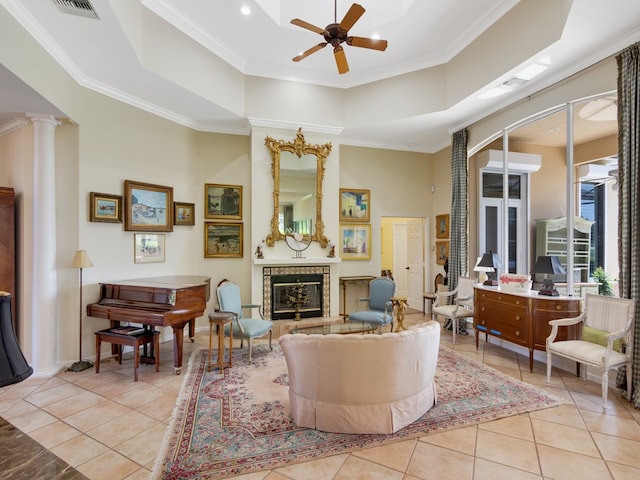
518, 318
558, 307
517, 333
482, 309
517, 302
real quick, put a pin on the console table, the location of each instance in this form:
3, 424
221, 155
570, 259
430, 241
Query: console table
522, 318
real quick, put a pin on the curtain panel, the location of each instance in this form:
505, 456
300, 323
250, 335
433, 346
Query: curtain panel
458, 237
628, 199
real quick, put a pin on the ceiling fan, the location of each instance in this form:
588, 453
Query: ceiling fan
338, 33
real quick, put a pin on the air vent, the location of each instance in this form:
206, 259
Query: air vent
77, 7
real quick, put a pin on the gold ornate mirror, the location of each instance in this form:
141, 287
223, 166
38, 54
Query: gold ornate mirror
298, 171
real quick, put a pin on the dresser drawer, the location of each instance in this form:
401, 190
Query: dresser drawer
514, 331
484, 296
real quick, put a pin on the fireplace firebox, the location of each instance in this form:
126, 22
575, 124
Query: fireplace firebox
296, 292
296, 296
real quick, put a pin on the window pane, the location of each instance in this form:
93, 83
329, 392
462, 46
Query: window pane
492, 185
491, 229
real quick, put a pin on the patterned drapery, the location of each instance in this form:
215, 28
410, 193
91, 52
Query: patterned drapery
628, 199
458, 240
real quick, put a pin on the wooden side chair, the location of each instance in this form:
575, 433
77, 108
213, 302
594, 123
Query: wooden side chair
431, 296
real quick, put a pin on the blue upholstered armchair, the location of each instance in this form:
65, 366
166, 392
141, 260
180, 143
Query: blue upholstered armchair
249, 328
379, 307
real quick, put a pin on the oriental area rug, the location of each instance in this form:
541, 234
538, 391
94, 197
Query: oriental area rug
238, 422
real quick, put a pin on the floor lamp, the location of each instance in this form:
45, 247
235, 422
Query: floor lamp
81, 260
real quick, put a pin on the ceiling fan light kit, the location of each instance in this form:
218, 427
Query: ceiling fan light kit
337, 33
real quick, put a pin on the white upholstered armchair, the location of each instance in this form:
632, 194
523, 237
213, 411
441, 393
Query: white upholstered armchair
607, 323
461, 306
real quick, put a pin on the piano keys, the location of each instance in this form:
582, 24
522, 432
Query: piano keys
169, 301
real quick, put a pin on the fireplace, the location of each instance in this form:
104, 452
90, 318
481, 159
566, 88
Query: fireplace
296, 292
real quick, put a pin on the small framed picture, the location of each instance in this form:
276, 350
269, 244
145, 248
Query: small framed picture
148, 207
222, 239
442, 252
148, 248
105, 208
354, 205
223, 202
355, 242
442, 226
183, 213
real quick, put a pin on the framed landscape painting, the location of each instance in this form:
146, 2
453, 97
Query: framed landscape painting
354, 205
355, 242
105, 208
223, 202
183, 213
148, 207
148, 248
222, 239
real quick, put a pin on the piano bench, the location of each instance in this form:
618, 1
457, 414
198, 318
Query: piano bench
133, 340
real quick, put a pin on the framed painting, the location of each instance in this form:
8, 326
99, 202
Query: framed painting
222, 239
223, 202
148, 248
354, 205
355, 241
442, 226
105, 208
148, 207
442, 252
183, 213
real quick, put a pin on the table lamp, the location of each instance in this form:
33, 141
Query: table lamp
490, 260
548, 265
81, 260
482, 271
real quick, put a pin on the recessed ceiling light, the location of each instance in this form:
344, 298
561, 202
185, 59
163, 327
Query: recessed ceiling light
245, 10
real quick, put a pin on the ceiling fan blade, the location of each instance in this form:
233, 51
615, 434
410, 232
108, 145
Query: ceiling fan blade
306, 53
367, 43
341, 60
352, 16
308, 26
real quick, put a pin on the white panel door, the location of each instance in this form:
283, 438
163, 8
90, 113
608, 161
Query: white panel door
400, 264
415, 262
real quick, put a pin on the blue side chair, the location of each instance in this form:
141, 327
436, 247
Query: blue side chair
379, 307
243, 328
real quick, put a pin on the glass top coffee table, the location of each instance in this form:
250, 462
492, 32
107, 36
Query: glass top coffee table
341, 328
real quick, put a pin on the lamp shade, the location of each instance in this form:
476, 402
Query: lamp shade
490, 260
549, 264
81, 260
480, 268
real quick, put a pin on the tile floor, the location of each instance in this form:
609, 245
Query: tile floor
108, 427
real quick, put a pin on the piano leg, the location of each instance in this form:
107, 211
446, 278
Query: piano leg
192, 327
178, 337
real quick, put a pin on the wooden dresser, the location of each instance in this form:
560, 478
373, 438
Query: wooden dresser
522, 318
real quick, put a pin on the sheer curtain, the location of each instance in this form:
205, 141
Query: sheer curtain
628, 198
458, 241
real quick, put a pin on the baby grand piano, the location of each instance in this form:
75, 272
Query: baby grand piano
169, 301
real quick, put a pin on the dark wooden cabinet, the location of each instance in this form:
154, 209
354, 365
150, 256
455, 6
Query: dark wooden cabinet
8, 247
522, 318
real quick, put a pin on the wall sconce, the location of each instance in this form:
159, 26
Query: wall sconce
548, 265
490, 260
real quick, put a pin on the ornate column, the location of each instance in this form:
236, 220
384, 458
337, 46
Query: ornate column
44, 290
